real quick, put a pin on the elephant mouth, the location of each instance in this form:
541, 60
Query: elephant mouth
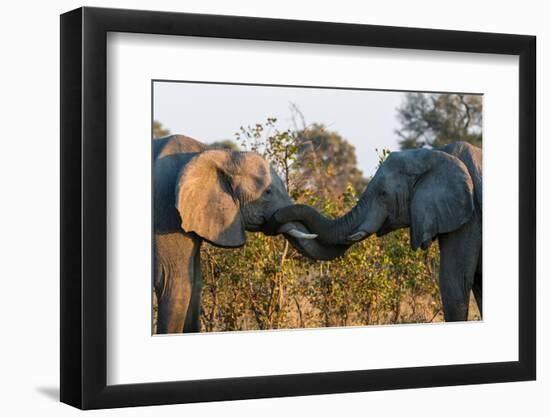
388, 227
254, 227
384, 229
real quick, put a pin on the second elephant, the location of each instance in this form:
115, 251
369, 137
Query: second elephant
437, 193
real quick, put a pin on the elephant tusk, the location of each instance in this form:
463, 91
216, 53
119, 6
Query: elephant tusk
291, 230
301, 235
357, 236
285, 228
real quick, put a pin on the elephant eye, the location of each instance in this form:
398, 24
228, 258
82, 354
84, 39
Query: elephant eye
268, 191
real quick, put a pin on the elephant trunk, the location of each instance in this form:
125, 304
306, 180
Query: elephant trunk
314, 249
329, 231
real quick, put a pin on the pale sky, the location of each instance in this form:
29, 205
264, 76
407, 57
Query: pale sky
213, 112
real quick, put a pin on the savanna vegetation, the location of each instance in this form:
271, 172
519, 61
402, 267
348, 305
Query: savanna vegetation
267, 284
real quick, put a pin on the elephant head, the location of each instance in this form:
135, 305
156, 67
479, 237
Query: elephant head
429, 191
219, 194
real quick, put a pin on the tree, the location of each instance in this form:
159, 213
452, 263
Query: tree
327, 161
434, 120
158, 130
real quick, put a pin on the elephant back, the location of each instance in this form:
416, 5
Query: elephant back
175, 144
472, 157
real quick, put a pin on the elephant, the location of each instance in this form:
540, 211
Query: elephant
437, 194
213, 195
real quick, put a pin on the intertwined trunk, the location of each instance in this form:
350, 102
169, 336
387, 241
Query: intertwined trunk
329, 231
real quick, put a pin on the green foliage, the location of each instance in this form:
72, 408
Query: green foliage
280, 148
435, 120
327, 161
158, 130
382, 156
268, 285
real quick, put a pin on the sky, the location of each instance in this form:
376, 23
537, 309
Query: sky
213, 112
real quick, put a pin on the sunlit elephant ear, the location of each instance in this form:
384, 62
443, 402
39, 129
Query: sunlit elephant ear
442, 197
205, 201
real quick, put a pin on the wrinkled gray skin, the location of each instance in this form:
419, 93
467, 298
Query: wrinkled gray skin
438, 195
214, 195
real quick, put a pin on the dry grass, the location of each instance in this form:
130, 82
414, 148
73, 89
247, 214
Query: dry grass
302, 314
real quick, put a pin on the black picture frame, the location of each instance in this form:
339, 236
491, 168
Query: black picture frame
84, 207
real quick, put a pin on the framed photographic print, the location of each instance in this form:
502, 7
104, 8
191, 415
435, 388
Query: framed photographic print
256, 208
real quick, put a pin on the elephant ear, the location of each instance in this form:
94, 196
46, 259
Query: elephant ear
205, 199
442, 198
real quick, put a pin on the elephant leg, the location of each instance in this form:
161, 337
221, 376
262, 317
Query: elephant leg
459, 258
192, 321
175, 271
477, 287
